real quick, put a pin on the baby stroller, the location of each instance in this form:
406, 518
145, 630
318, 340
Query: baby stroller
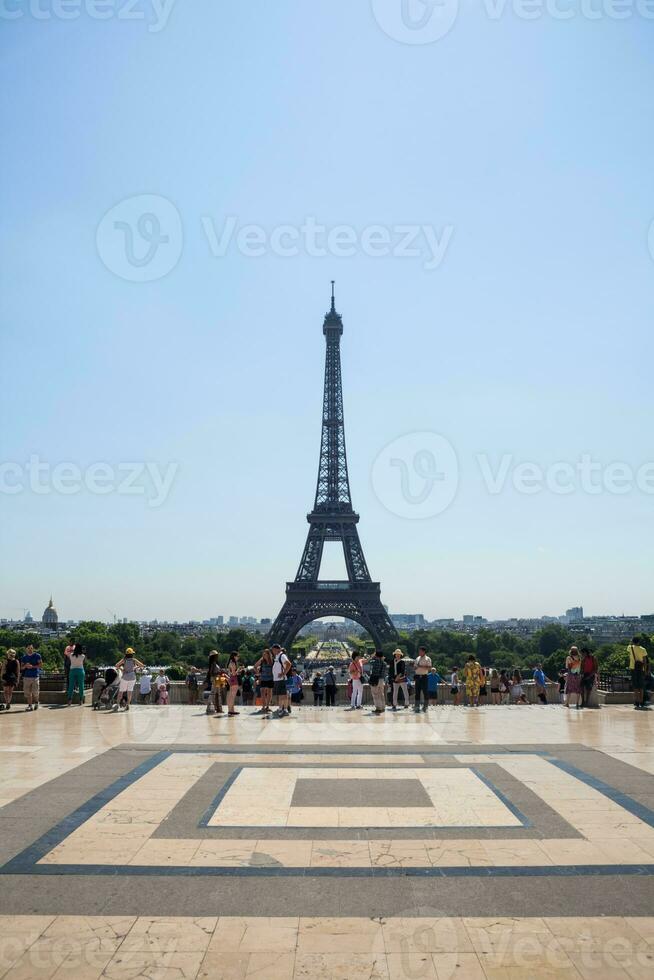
105, 694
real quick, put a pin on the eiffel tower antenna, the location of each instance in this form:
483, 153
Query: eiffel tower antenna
332, 519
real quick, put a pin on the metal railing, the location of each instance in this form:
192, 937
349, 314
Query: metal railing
613, 682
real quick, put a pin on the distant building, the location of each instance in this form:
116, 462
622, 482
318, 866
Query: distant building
408, 621
575, 615
50, 616
233, 620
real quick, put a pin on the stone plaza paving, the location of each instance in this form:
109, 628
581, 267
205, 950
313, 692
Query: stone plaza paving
470, 843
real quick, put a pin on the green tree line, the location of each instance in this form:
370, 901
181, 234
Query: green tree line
106, 645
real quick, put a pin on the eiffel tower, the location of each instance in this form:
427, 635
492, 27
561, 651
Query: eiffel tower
332, 519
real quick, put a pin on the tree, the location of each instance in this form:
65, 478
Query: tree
550, 639
126, 634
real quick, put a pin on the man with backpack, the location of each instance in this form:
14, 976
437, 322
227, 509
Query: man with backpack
281, 666
330, 687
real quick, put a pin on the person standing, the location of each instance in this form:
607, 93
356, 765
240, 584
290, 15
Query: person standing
517, 691
31, 664
589, 668
232, 680
355, 669
483, 685
330, 688
212, 684
318, 688
67, 655
422, 666
10, 676
495, 686
281, 666
540, 681
472, 678
573, 677
76, 674
247, 686
433, 680
161, 687
505, 687
454, 685
378, 682
638, 666
145, 687
294, 687
266, 683
129, 663
398, 679
192, 686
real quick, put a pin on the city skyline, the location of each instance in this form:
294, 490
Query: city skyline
231, 619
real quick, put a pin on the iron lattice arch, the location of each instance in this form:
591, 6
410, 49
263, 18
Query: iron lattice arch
332, 519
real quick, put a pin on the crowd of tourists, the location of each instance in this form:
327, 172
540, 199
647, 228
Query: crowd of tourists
274, 685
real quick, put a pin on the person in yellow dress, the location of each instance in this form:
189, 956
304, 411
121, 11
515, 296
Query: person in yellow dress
472, 677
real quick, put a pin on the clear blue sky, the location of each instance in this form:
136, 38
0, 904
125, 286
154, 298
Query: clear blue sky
532, 140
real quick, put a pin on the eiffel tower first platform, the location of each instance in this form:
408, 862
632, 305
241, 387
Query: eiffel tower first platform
333, 519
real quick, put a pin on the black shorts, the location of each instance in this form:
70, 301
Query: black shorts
638, 678
483, 692
279, 688
454, 690
268, 685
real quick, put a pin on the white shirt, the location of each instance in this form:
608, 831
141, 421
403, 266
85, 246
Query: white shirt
161, 680
146, 684
279, 667
77, 660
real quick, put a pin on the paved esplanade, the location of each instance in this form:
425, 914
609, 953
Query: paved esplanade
164, 843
